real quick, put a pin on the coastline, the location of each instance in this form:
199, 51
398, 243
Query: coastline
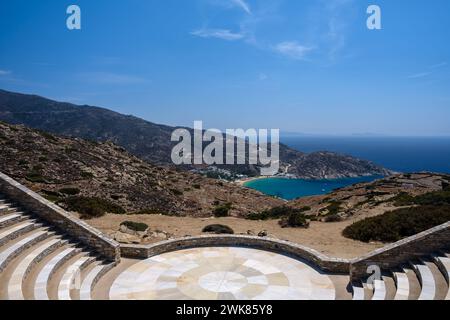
243, 182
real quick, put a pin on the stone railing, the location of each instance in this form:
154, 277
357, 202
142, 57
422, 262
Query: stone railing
401, 252
283, 247
61, 219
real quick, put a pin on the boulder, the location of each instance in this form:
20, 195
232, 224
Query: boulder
126, 238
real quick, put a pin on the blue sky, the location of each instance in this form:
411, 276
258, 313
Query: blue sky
307, 66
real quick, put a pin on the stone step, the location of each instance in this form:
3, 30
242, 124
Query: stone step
17, 230
71, 279
443, 263
7, 255
45, 275
7, 207
7, 210
439, 280
426, 280
415, 287
358, 291
342, 287
11, 219
402, 283
21, 272
379, 291
4, 207
391, 289
92, 278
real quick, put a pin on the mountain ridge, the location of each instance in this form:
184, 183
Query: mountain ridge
151, 141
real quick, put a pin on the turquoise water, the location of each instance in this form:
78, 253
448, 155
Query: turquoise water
290, 189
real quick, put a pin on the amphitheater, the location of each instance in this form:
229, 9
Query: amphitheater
47, 254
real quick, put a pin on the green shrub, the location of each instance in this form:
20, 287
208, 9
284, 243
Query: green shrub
47, 135
294, 220
403, 199
38, 167
147, 212
135, 226
218, 229
437, 198
222, 210
51, 195
91, 207
177, 192
274, 213
333, 218
333, 208
23, 162
398, 224
445, 186
86, 175
35, 176
70, 191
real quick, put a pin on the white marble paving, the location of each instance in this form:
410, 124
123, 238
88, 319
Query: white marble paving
227, 273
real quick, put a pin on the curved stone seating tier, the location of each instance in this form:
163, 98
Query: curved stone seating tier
426, 280
443, 263
4, 208
42, 264
379, 290
358, 291
27, 244
45, 275
402, 286
91, 280
7, 210
16, 231
16, 249
10, 219
23, 269
71, 279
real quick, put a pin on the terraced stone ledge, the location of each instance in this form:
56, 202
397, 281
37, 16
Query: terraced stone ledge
306, 254
396, 254
61, 219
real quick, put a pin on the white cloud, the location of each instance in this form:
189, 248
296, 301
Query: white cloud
4, 72
218, 33
439, 65
293, 49
419, 75
243, 5
263, 76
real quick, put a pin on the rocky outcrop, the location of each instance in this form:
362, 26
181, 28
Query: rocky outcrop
60, 168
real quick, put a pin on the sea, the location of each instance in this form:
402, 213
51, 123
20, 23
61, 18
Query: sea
400, 154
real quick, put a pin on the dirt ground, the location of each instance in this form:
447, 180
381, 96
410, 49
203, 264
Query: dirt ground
323, 237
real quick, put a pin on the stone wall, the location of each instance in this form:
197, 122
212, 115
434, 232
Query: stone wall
386, 258
61, 219
398, 253
283, 247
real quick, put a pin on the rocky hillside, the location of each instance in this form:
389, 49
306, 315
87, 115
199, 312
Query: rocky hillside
76, 172
151, 142
372, 199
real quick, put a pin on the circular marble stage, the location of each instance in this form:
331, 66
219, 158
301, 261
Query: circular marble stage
222, 273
